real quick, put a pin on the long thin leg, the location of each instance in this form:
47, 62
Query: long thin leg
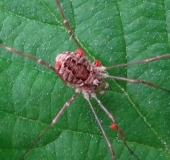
109, 115
67, 25
141, 61
10, 49
114, 122
86, 96
51, 124
136, 81
42, 62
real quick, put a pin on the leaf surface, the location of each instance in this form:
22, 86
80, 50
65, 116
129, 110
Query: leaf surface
112, 31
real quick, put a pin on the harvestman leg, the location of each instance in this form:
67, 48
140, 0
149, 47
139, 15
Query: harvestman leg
10, 49
86, 96
67, 104
109, 115
136, 81
67, 25
140, 62
114, 122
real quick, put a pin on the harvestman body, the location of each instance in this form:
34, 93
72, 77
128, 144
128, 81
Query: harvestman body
78, 72
88, 78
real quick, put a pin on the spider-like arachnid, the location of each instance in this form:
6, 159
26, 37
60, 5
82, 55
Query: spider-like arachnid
31, 98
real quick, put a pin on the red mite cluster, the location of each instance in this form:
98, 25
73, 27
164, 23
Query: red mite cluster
80, 53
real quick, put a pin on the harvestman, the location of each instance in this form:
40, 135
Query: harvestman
88, 78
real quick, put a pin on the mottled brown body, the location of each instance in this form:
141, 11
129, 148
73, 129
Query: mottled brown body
78, 72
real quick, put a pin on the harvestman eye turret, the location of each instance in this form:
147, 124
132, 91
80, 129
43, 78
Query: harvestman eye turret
87, 78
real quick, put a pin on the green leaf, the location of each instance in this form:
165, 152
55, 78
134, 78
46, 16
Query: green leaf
31, 95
